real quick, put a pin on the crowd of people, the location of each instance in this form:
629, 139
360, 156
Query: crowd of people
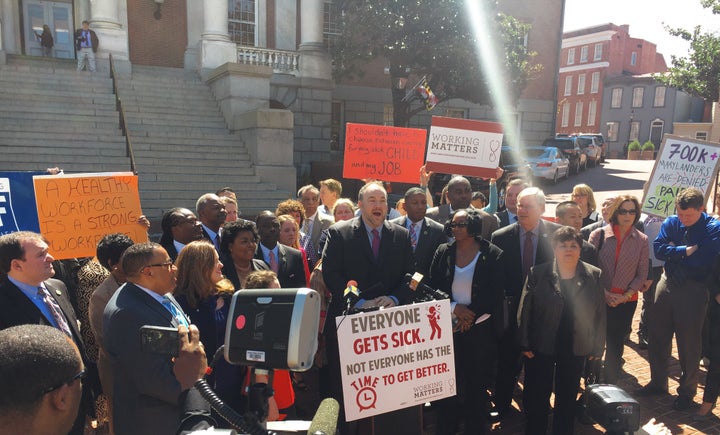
553, 296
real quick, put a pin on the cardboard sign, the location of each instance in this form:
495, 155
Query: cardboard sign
76, 211
383, 153
464, 147
396, 358
17, 202
681, 163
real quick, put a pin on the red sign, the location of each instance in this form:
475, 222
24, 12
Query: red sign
384, 153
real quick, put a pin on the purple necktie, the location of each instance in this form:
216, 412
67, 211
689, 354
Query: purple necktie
527, 256
376, 243
55, 310
413, 236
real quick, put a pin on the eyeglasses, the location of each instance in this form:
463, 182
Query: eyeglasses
168, 264
626, 211
458, 224
579, 195
69, 381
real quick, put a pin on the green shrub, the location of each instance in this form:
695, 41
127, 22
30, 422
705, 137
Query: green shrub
648, 146
634, 146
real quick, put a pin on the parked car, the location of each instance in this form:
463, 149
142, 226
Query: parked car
600, 141
512, 165
591, 149
547, 162
570, 148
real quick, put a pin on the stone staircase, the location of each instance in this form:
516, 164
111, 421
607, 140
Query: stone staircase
51, 115
182, 146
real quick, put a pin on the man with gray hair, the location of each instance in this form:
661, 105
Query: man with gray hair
524, 243
314, 224
211, 213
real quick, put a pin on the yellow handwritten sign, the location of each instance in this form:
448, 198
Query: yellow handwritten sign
75, 211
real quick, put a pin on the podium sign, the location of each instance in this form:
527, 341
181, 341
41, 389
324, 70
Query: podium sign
396, 358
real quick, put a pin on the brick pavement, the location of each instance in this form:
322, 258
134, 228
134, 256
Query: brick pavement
636, 374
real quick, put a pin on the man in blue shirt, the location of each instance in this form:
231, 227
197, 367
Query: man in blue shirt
689, 243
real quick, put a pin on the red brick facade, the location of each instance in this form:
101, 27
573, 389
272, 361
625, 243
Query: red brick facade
157, 42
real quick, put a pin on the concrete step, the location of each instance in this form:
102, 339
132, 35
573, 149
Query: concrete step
11, 96
209, 107
63, 125
88, 115
54, 148
170, 130
239, 158
104, 94
184, 167
23, 109
60, 137
139, 120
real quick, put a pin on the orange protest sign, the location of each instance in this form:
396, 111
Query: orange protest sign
76, 211
384, 153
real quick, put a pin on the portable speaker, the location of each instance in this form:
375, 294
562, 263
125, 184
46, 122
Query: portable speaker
612, 408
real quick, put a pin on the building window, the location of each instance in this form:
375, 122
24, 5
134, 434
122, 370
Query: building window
388, 118
616, 100
455, 113
702, 135
578, 114
331, 25
241, 22
571, 56
612, 131
581, 84
633, 58
595, 83
659, 100
584, 54
592, 113
634, 131
566, 114
637, 99
568, 85
336, 123
598, 52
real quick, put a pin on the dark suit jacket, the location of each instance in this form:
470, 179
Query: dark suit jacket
291, 272
432, 235
503, 218
145, 395
231, 274
170, 248
508, 239
16, 309
442, 213
488, 282
348, 255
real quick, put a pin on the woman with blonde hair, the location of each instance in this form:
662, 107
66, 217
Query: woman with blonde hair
204, 294
583, 196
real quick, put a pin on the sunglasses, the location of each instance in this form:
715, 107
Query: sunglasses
458, 225
81, 375
626, 211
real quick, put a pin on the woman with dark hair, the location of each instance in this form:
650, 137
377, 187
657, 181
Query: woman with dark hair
623, 259
469, 269
238, 243
204, 294
561, 322
290, 236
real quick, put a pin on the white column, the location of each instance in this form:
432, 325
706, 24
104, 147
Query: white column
9, 42
215, 47
104, 14
311, 24
215, 20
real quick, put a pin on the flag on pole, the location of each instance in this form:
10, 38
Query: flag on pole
426, 94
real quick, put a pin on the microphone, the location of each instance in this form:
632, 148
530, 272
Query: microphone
422, 291
351, 295
324, 421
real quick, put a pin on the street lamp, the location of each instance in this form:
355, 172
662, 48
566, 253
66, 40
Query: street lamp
630, 126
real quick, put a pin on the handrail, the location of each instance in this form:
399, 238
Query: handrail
123, 121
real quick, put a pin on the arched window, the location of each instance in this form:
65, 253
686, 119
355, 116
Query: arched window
656, 131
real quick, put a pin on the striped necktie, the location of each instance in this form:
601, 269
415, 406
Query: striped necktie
55, 310
176, 313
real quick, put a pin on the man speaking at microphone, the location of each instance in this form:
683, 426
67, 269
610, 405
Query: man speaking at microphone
374, 253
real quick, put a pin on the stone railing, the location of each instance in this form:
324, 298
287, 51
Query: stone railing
286, 62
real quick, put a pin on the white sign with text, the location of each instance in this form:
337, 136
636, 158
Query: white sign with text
396, 358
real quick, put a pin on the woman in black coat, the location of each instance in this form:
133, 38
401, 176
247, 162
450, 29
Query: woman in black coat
561, 322
469, 270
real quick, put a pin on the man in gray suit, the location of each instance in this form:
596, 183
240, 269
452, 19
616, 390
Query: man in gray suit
145, 395
425, 234
459, 195
314, 224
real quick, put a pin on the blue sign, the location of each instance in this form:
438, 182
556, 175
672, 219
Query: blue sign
18, 209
